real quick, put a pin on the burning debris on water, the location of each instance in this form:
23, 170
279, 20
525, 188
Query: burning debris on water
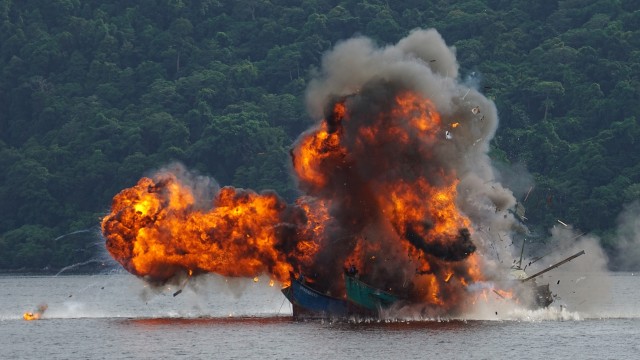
35, 315
384, 190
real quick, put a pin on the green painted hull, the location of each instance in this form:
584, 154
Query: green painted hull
366, 296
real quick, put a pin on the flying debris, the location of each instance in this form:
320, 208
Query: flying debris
184, 283
529, 289
581, 252
447, 135
527, 196
499, 294
519, 211
475, 110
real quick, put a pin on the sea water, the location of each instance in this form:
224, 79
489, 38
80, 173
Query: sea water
118, 316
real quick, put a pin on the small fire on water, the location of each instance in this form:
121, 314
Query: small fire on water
36, 315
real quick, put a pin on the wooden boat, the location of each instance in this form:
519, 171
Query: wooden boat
361, 299
366, 296
310, 303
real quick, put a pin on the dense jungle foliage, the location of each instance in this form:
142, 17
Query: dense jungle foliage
94, 94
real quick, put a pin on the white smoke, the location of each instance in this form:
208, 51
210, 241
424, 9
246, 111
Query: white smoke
421, 60
627, 240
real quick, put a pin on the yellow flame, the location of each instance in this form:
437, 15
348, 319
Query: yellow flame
36, 315
29, 316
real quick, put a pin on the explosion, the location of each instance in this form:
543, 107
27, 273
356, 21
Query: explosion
156, 231
394, 177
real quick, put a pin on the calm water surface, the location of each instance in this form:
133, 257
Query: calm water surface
117, 317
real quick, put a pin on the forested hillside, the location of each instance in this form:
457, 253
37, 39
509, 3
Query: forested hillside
95, 94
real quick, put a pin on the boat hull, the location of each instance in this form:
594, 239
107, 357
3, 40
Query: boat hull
366, 296
310, 303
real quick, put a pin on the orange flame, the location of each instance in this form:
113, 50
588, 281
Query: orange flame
155, 230
317, 148
29, 316
36, 315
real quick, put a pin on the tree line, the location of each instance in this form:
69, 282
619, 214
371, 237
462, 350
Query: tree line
95, 94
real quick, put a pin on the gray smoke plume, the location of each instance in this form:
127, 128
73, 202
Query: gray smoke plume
422, 59
627, 256
581, 284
